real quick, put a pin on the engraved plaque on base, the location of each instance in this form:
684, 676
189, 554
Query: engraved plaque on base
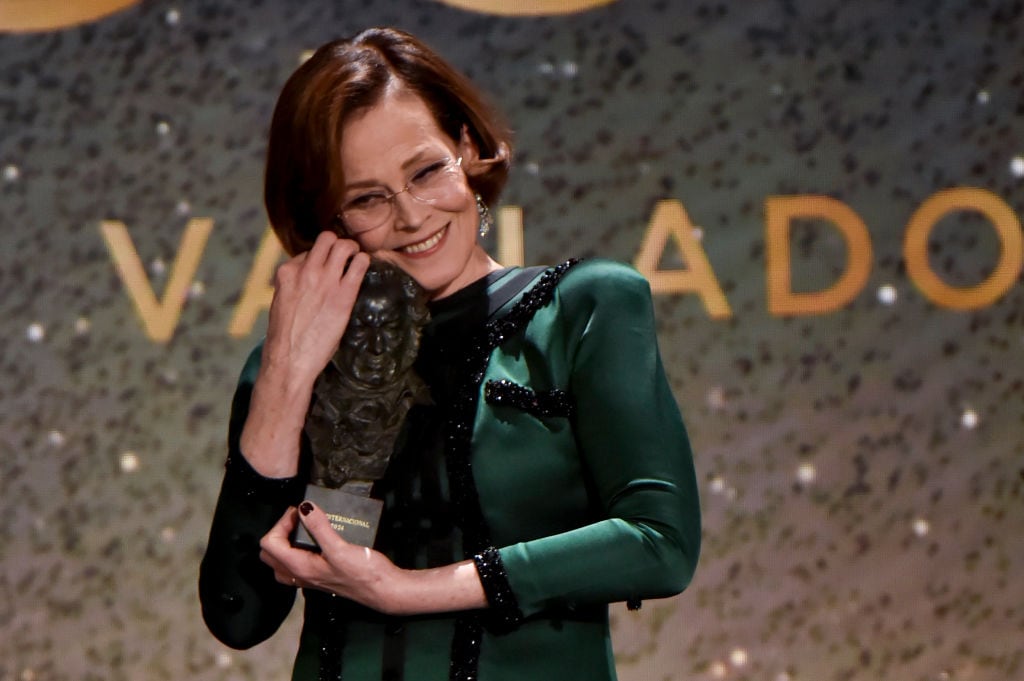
353, 516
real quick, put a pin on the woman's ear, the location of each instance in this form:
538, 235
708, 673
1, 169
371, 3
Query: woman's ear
470, 153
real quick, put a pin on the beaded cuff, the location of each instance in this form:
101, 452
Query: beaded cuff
251, 483
542, 403
505, 614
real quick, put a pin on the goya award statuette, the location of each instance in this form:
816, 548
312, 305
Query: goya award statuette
360, 401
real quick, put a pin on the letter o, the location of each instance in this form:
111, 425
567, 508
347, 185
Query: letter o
915, 248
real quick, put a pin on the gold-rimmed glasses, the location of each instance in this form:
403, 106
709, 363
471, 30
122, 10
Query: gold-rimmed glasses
440, 183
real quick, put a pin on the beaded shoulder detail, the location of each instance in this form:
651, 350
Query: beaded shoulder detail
541, 403
497, 331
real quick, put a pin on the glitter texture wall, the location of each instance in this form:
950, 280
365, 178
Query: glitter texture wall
861, 466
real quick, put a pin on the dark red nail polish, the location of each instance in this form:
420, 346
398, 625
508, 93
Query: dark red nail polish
305, 508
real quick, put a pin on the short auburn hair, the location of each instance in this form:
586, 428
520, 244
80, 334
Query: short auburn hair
344, 77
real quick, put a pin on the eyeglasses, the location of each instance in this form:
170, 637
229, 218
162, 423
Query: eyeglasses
440, 183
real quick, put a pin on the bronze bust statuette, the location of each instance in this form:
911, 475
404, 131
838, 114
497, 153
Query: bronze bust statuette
360, 401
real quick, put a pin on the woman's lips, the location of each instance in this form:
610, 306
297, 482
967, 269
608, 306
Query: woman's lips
426, 246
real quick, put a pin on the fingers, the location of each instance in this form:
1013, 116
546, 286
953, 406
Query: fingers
282, 529
319, 527
276, 548
331, 250
331, 262
299, 567
313, 299
274, 542
328, 251
342, 255
352, 280
322, 247
277, 552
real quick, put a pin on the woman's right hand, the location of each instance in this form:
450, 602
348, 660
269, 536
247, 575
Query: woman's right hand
313, 297
314, 293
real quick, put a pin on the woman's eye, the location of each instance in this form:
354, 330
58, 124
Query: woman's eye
428, 172
365, 201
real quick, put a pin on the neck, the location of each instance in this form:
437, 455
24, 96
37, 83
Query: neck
479, 265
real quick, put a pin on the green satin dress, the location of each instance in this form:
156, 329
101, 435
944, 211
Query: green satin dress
553, 454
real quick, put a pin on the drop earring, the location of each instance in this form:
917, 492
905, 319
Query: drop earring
486, 219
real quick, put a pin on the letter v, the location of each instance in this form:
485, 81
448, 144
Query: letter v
159, 319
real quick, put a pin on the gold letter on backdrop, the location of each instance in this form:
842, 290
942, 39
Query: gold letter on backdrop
527, 7
258, 291
915, 248
158, 318
779, 213
511, 250
670, 219
48, 15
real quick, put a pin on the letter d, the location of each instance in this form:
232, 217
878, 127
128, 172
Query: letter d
779, 214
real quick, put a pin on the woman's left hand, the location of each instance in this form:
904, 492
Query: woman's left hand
364, 575
354, 572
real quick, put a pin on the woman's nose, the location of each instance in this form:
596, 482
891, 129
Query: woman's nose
410, 213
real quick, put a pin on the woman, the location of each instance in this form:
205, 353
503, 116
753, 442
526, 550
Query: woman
550, 476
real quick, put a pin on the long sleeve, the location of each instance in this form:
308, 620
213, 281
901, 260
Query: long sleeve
242, 603
635, 454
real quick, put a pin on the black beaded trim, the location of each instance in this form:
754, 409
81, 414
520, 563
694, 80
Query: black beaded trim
332, 643
504, 614
542, 403
633, 603
466, 648
458, 452
253, 483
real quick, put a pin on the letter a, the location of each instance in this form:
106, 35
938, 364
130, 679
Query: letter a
258, 292
670, 219
511, 248
779, 214
159, 319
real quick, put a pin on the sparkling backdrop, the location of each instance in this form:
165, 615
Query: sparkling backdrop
862, 470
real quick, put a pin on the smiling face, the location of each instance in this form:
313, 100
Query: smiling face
388, 148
